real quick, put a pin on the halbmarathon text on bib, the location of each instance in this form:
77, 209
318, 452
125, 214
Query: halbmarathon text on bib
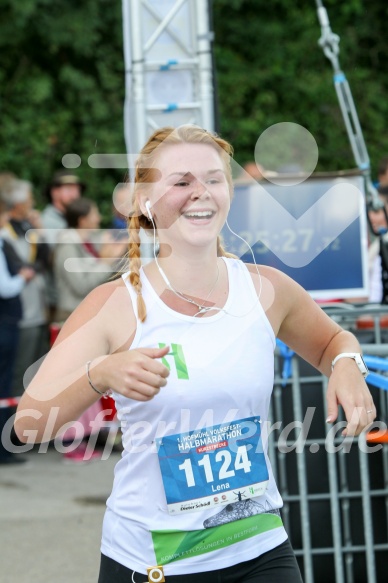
213, 466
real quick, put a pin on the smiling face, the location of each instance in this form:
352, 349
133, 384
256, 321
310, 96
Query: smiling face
191, 200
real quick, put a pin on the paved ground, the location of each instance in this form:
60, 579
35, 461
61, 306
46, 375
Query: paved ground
50, 519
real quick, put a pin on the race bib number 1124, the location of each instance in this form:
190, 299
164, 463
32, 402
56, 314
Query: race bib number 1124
206, 467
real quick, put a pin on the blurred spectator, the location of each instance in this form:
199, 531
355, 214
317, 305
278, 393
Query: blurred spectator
122, 204
378, 250
383, 172
64, 188
80, 264
31, 251
13, 278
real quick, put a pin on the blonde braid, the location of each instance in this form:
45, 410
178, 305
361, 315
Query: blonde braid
221, 251
135, 264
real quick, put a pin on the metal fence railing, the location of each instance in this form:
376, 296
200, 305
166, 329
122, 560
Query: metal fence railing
335, 490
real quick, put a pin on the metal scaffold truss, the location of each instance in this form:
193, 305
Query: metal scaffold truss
169, 72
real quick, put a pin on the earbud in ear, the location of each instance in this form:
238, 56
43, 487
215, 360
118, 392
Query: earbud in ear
148, 207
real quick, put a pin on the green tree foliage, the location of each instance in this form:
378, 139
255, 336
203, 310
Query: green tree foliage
271, 69
61, 88
62, 80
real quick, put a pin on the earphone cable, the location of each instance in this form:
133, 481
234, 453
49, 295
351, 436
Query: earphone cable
204, 309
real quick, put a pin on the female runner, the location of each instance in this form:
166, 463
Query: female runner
186, 345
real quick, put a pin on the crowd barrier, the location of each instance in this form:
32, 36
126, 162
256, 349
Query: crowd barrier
335, 490
9, 402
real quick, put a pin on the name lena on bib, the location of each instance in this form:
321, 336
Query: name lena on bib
222, 458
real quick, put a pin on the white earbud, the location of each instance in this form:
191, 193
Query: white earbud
148, 207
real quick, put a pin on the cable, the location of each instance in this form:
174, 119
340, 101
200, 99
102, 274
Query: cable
204, 309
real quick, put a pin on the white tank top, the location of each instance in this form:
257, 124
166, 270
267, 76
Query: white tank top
198, 505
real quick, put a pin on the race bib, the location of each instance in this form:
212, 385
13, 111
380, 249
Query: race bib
213, 466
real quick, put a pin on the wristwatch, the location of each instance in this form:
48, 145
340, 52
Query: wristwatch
357, 357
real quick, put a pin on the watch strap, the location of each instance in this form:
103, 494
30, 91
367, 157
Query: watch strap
356, 356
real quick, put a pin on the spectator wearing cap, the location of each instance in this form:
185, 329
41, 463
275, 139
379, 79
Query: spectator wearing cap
64, 188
